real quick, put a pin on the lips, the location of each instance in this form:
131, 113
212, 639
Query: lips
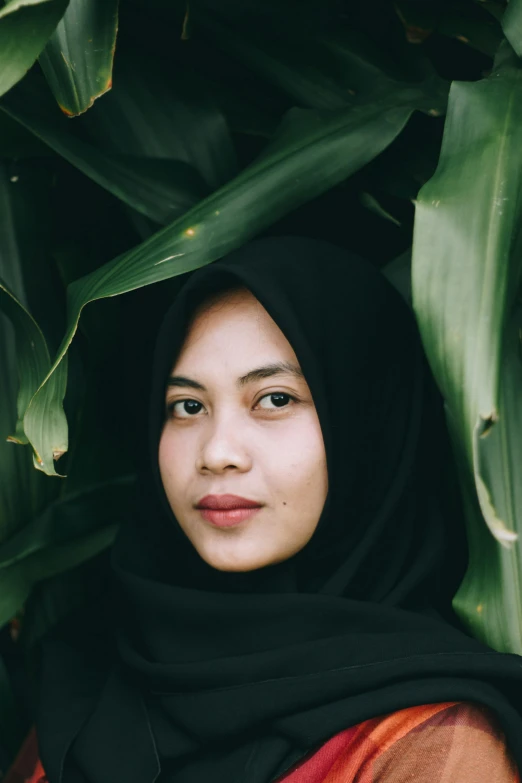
226, 502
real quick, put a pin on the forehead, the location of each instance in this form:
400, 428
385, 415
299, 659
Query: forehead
233, 323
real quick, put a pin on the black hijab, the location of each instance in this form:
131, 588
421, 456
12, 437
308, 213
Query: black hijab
213, 676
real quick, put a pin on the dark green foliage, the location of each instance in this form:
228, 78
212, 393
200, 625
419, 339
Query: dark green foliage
225, 120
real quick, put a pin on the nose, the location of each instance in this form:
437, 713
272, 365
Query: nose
223, 446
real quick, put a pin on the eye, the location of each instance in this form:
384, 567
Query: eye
189, 408
279, 399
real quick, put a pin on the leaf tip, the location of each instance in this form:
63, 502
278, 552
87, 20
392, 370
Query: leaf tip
15, 439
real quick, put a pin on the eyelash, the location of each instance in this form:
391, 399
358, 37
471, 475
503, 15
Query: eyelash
170, 405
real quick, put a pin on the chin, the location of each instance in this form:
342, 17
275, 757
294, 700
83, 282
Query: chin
236, 567
235, 564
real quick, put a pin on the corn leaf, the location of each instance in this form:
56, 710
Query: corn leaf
77, 60
466, 271
489, 600
158, 189
71, 530
23, 351
512, 25
31, 351
312, 152
320, 70
25, 26
143, 109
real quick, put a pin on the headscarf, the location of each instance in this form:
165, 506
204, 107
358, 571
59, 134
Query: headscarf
200, 675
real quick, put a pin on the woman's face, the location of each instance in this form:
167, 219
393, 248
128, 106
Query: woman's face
233, 429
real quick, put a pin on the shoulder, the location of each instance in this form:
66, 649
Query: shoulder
458, 741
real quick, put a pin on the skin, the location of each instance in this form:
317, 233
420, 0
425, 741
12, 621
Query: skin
236, 440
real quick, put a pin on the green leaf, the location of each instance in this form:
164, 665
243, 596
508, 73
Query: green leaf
17, 142
148, 115
31, 349
466, 269
59, 596
312, 152
23, 491
512, 25
489, 601
70, 531
77, 60
155, 189
303, 69
398, 272
371, 203
316, 69
25, 26
470, 23
17, 580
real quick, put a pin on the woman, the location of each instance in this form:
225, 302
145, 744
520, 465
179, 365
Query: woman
306, 636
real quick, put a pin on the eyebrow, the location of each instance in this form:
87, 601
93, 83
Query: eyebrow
267, 371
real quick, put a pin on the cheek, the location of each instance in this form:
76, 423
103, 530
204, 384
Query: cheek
299, 465
164, 454
171, 468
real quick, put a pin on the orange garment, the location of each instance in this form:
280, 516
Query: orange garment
452, 742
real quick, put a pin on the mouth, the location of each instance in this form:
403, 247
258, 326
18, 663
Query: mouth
228, 517
227, 510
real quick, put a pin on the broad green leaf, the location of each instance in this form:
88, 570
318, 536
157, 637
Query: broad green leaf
318, 70
25, 26
303, 71
242, 109
31, 349
157, 190
494, 7
371, 203
68, 518
17, 142
469, 23
318, 66
33, 360
70, 530
512, 25
23, 490
312, 152
149, 115
489, 600
17, 580
61, 595
77, 60
466, 270
398, 272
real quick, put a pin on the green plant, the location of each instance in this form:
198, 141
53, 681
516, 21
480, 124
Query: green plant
141, 142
